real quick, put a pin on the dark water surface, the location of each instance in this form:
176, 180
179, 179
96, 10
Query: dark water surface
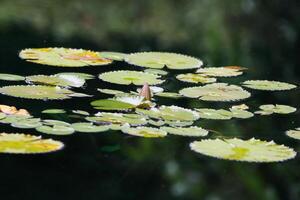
112, 165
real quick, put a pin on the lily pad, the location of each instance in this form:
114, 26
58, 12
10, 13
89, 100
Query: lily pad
195, 78
16, 143
57, 80
111, 104
220, 114
56, 130
86, 127
269, 109
168, 95
268, 85
52, 122
27, 123
252, 150
294, 133
11, 77
81, 112
226, 71
188, 131
130, 77
216, 92
159, 60
113, 55
63, 57
110, 91
146, 132
84, 76
36, 92
54, 111
156, 71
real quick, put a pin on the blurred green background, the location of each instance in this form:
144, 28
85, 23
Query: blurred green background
259, 34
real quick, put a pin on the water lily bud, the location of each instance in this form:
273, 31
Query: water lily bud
146, 92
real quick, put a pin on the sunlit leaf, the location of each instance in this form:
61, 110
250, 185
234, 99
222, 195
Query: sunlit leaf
110, 91
294, 133
216, 92
130, 77
63, 57
86, 127
113, 55
54, 111
269, 109
178, 123
81, 112
11, 77
188, 131
16, 143
226, 71
146, 132
156, 71
252, 150
27, 123
56, 80
56, 130
168, 95
195, 78
159, 60
84, 76
268, 85
52, 122
220, 114
36, 92
12, 118
243, 114
111, 104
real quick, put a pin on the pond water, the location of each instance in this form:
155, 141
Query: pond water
114, 165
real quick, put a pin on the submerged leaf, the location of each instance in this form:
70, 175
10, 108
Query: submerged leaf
147, 132
63, 57
268, 85
36, 92
16, 143
216, 92
130, 77
159, 60
252, 150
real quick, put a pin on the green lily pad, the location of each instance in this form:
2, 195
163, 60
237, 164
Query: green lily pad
156, 71
52, 122
146, 132
2, 115
178, 123
216, 92
221, 71
110, 91
62, 57
159, 60
195, 78
56, 130
268, 85
168, 95
252, 150
11, 77
86, 127
57, 80
54, 111
269, 109
27, 123
130, 77
84, 76
81, 112
242, 114
36, 92
113, 55
16, 143
111, 104
220, 114
188, 131
294, 133
12, 119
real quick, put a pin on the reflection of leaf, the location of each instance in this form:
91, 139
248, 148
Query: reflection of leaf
188, 131
63, 57
268, 85
252, 150
294, 133
159, 60
216, 92
147, 132
130, 77
221, 71
27, 144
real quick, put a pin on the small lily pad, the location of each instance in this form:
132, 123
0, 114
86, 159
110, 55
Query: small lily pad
294, 133
52, 122
195, 78
146, 132
54, 111
269, 109
226, 71
110, 91
81, 112
168, 95
220, 114
57, 80
11, 77
216, 92
27, 123
268, 85
159, 60
156, 71
130, 77
188, 131
84, 76
56, 130
86, 127
252, 150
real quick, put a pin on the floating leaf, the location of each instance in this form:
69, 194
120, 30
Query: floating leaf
146, 132
216, 92
113, 55
156, 122
195, 78
54, 111
11, 77
252, 150
63, 57
86, 127
221, 71
178, 123
81, 112
240, 107
52, 122
156, 71
27, 123
56, 130
243, 114
220, 114
189, 131
2, 115
84, 76
36, 92
110, 91
13, 118
294, 133
268, 85
116, 118
130, 77
159, 60
57, 80
169, 95
111, 104
269, 109
16, 143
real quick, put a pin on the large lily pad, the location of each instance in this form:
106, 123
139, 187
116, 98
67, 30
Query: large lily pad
268, 85
216, 92
159, 60
63, 57
16, 143
130, 77
252, 150
36, 92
